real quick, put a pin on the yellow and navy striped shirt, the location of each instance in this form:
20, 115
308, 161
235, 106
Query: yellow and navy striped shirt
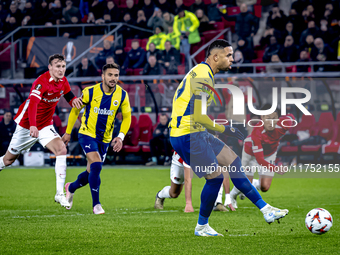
100, 112
182, 117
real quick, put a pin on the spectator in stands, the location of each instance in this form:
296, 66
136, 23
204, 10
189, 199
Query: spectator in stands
277, 19
336, 44
107, 51
41, 14
168, 20
131, 8
214, 13
3, 12
7, 128
186, 26
269, 32
247, 24
142, 23
239, 60
160, 143
14, 16
246, 47
321, 52
290, 30
329, 11
275, 68
272, 49
170, 59
179, 6
119, 55
56, 12
311, 30
309, 44
86, 68
304, 57
164, 6
205, 25
135, 57
128, 32
152, 67
173, 38
2, 30
27, 14
289, 52
156, 19
112, 10
110, 60
148, 8
70, 11
325, 34
298, 22
96, 11
158, 39
153, 51
72, 32
199, 4
300, 5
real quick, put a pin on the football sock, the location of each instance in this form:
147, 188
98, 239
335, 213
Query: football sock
219, 196
265, 208
82, 180
2, 164
208, 198
256, 184
242, 183
60, 173
154, 159
235, 192
227, 199
94, 181
165, 192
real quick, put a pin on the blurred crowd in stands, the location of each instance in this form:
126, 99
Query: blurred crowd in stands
309, 33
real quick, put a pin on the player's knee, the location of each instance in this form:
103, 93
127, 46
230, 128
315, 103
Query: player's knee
174, 194
61, 150
9, 161
265, 188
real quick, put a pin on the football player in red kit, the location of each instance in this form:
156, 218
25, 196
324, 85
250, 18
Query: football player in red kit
35, 124
260, 148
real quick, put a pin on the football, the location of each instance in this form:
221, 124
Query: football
319, 221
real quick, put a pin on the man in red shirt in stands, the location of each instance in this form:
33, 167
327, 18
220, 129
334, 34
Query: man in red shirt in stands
260, 148
35, 124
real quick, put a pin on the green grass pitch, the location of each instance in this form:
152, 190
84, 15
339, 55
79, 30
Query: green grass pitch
32, 223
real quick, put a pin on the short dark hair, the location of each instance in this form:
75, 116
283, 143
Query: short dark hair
108, 66
268, 106
56, 56
218, 44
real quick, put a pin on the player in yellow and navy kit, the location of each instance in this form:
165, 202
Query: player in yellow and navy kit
201, 150
102, 102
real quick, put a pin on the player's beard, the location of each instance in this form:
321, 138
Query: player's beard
109, 84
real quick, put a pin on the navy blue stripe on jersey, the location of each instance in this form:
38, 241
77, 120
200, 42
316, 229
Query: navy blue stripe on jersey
88, 106
123, 98
101, 125
181, 90
212, 79
179, 118
190, 107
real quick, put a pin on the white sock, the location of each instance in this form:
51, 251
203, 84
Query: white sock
165, 192
227, 200
265, 208
60, 173
2, 164
235, 192
219, 196
256, 184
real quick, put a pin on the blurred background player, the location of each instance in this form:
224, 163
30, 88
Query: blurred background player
260, 148
180, 173
35, 124
102, 102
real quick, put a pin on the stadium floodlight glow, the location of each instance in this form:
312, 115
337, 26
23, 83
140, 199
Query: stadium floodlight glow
238, 100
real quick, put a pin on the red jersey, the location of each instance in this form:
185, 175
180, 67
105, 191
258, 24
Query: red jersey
261, 143
49, 93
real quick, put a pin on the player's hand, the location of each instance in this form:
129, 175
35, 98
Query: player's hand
34, 132
117, 144
77, 103
281, 170
66, 138
234, 132
188, 208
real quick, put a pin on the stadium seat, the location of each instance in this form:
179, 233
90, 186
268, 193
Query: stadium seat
182, 59
145, 129
209, 35
258, 10
331, 150
194, 47
188, 3
133, 133
181, 69
138, 71
221, 116
230, 24
143, 43
233, 10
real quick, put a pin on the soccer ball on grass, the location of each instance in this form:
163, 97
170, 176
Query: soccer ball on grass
319, 221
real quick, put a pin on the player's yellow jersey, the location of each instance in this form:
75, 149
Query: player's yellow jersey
182, 118
100, 111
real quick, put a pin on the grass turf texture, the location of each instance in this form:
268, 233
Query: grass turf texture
31, 222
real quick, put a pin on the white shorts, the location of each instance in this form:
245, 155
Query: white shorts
251, 165
177, 170
22, 141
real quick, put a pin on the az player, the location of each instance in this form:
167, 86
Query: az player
102, 101
260, 148
179, 175
201, 150
35, 123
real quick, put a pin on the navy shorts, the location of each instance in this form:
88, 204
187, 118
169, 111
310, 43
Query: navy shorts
199, 150
90, 144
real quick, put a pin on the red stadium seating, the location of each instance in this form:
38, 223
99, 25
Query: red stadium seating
233, 10
133, 133
145, 129
209, 35
143, 43
331, 150
221, 116
181, 69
